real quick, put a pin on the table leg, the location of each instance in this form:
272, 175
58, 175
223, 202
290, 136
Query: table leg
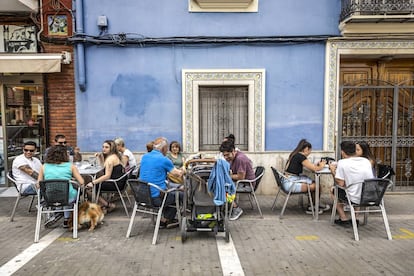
92, 178
317, 180
94, 199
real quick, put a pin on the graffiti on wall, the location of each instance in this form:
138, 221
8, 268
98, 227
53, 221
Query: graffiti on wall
18, 39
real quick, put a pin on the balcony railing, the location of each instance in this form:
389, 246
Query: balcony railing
376, 7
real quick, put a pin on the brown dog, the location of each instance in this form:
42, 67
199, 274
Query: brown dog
89, 213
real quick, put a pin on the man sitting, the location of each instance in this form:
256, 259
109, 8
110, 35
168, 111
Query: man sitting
240, 168
154, 168
350, 170
25, 169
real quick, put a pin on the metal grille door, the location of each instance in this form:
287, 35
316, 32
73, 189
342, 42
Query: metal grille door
381, 114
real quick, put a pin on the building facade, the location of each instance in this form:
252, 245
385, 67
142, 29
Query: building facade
37, 92
270, 72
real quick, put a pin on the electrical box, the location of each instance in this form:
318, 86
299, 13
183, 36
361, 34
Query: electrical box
102, 21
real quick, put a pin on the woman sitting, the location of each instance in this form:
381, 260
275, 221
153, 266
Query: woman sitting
113, 169
57, 166
362, 149
294, 169
176, 156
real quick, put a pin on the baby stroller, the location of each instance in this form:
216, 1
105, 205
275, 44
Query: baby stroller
203, 214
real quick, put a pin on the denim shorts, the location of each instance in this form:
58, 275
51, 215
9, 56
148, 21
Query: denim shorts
296, 181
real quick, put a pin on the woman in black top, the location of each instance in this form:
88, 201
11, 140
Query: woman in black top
111, 160
294, 169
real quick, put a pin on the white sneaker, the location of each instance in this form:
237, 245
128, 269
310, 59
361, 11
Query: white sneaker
53, 219
236, 213
309, 211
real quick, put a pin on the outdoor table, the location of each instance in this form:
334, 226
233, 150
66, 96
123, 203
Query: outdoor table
91, 171
318, 174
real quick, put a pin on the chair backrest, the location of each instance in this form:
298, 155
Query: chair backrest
131, 174
278, 178
122, 180
141, 191
385, 171
55, 192
258, 173
373, 191
11, 178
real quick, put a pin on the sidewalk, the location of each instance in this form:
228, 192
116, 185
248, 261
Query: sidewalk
296, 245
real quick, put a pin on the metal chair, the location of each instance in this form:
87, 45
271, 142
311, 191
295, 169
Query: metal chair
245, 186
144, 204
52, 196
372, 196
20, 195
117, 189
279, 177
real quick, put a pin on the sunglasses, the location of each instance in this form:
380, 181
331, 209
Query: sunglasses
28, 150
62, 143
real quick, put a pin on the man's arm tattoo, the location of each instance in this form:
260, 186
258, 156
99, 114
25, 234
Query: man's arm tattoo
29, 171
35, 175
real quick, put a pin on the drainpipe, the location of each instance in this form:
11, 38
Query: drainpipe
80, 47
41, 20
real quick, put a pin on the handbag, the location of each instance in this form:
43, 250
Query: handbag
175, 179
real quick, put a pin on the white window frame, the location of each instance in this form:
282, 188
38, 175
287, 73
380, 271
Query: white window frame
223, 5
254, 79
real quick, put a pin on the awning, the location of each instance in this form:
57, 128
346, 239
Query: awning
30, 63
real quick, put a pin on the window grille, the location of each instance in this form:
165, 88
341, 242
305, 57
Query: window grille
223, 110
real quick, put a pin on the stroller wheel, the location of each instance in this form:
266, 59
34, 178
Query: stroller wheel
226, 230
183, 229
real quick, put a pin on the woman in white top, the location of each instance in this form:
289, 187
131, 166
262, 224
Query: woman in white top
128, 158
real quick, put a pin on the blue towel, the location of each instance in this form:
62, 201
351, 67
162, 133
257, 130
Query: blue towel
220, 182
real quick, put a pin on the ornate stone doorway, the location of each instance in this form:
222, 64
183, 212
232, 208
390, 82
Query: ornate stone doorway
381, 113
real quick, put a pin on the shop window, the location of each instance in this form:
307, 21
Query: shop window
24, 118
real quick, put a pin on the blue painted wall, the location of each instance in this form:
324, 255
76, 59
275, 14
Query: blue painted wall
135, 92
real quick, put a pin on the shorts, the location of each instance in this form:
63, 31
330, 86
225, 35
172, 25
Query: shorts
342, 196
296, 181
30, 190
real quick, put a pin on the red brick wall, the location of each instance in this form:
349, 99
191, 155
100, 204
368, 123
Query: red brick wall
61, 98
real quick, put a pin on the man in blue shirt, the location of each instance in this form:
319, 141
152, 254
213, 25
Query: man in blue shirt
154, 169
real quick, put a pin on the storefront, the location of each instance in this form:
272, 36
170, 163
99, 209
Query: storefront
23, 101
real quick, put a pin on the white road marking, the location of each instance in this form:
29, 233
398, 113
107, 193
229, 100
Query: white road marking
230, 263
8, 192
29, 253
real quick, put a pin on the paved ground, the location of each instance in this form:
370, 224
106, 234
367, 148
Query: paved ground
296, 245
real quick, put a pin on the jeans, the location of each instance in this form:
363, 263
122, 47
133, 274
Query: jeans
30, 190
169, 212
